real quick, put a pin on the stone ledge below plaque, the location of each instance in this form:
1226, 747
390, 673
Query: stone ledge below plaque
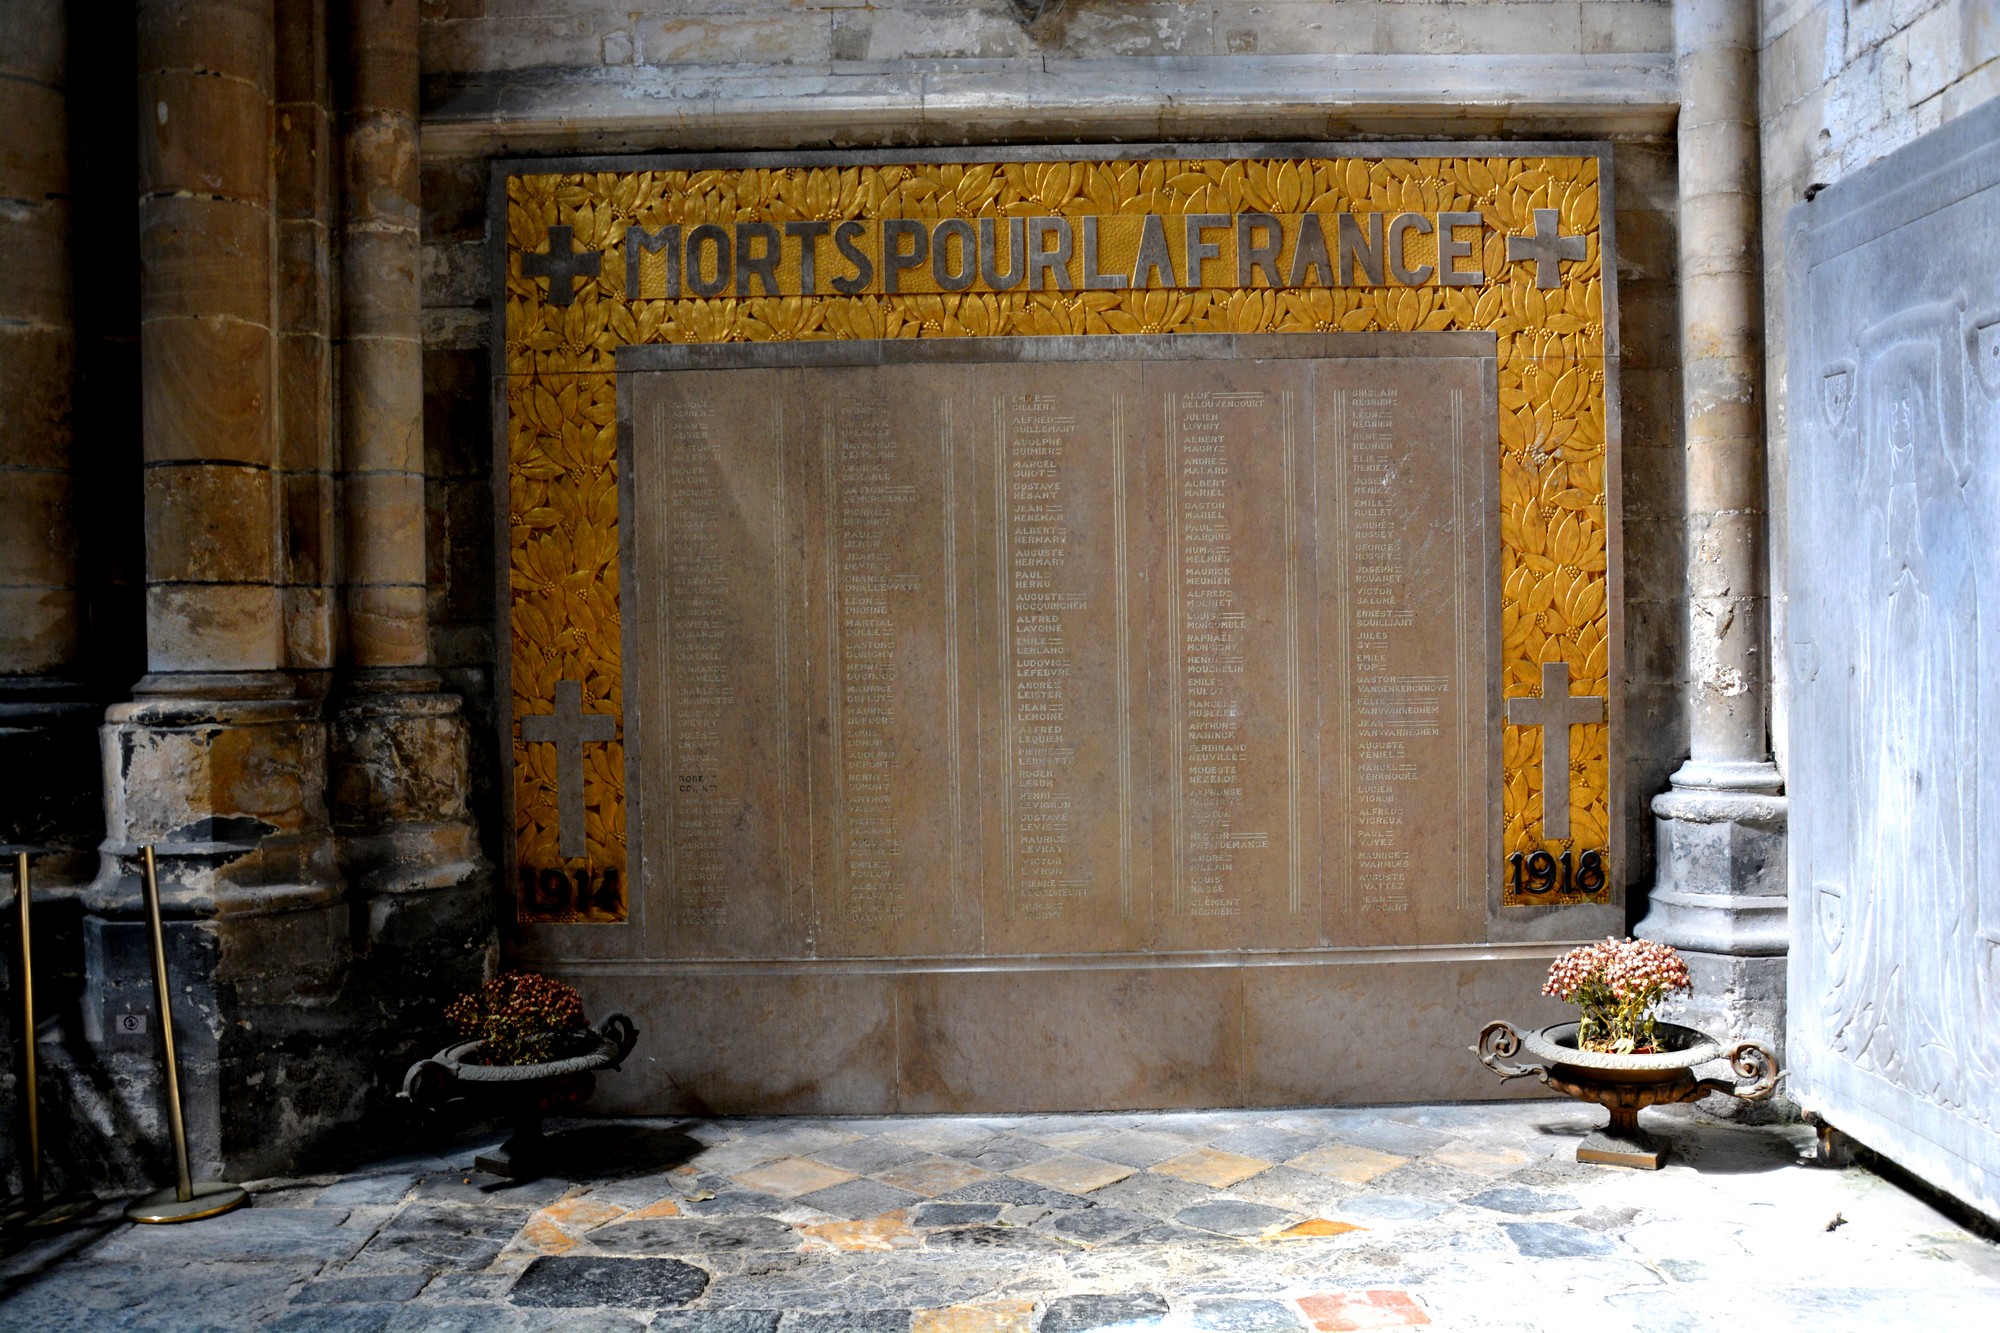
811, 1040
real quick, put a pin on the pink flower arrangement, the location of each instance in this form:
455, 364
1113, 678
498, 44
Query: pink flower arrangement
1616, 984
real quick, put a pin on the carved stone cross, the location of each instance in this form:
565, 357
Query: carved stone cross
568, 728
1555, 713
1547, 247
564, 264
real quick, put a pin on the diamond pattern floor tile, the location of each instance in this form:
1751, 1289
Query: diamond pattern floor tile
1072, 1173
1136, 1149
856, 1199
1344, 1161
790, 1177
931, 1176
1210, 1166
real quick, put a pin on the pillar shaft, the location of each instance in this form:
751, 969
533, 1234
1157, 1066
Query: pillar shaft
400, 749
46, 710
1719, 892
1723, 377
39, 613
381, 435
205, 336
307, 217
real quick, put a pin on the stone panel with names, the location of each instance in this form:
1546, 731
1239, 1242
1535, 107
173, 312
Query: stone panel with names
1182, 644
1057, 584
1237, 863
1405, 610
891, 622
720, 676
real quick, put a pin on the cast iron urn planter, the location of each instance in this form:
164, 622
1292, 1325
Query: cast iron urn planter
522, 1093
1626, 1084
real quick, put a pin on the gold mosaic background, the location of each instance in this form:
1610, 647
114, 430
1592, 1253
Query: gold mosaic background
562, 433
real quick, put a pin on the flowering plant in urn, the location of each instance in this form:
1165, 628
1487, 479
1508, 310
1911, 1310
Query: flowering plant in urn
1616, 984
522, 1018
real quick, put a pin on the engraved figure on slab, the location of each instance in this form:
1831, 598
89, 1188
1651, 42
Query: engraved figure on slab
1913, 715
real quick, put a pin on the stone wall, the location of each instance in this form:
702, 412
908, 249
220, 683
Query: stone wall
1843, 83
465, 36
534, 77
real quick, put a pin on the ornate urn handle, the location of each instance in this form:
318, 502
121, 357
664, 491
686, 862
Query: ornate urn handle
1498, 1043
621, 1031
428, 1084
1754, 1065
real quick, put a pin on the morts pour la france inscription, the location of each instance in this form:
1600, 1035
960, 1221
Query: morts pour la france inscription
1091, 253
1107, 242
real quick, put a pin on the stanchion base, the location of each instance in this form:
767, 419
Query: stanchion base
17, 1216
210, 1199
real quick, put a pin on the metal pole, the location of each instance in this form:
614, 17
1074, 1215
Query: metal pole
186, 1201
35, 1212
31, 1169
163, 1001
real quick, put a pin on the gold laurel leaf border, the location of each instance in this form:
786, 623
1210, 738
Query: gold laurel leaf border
562, 458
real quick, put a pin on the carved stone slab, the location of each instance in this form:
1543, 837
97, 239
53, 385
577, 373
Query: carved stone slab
970, 650
1894, 520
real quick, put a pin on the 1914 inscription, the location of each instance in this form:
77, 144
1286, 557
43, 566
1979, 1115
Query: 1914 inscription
981, 651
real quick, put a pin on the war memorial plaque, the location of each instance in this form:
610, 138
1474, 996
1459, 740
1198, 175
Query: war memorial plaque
1005, 655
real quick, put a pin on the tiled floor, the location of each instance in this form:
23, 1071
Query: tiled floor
1474, 1217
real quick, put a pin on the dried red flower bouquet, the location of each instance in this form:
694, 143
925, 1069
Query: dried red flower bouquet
1616, 984
522, 1018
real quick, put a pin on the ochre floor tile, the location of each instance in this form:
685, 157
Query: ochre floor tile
1212, 1166
1340, 1311
1344, 1161
1480, 1159
890, 1231
1315, 1227
789, 1177
991, 1317
664, 1208
1072, 1174
581, 1214
931, 1176
542, 1236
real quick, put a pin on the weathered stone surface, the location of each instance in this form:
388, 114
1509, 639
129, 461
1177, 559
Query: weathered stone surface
1231, 1218
1015, 1192
438, 1236
1239, 1316
1555, 1240
1509, 1200
846, 1321
1081, 1314
858, 1199
715, 1321
575, 1280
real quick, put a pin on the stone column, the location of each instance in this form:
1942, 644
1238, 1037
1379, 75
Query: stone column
305, 200
400, 746
46, 717
216, 762
1719, 895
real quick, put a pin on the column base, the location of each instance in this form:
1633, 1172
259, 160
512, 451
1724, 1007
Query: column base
1720, 897
228, 788
424, 929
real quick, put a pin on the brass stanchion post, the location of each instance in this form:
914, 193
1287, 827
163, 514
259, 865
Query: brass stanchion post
187, 1200
31, 1165
33, 1212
